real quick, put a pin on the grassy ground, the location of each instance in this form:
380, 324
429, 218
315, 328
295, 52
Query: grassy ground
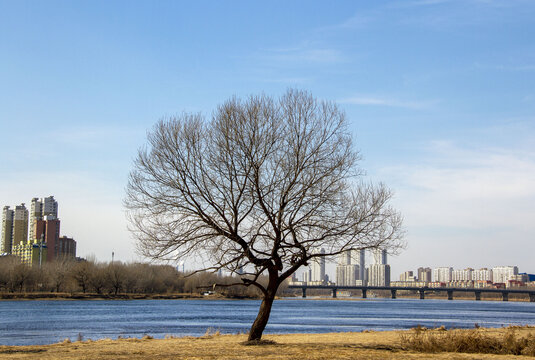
364, 345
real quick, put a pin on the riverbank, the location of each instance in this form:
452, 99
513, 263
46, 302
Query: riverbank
93, 296
362, 345
193, 296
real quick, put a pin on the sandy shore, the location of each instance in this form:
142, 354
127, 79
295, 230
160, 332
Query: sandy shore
363, 345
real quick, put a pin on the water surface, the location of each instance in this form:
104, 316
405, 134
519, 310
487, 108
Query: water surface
49, 321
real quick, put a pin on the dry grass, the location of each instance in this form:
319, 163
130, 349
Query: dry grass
477, 341
364, 345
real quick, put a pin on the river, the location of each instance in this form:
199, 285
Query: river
49, 321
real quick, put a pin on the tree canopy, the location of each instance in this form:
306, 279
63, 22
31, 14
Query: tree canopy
256, 189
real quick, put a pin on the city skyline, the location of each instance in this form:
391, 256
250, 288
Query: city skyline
438, 96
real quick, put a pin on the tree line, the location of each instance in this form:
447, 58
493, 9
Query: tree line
110, 278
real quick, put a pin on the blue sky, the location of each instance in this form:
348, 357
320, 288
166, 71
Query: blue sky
439, 94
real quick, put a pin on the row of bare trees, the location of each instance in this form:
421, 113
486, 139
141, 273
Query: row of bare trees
66, 275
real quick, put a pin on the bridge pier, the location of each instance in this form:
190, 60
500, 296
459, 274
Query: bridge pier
422, 294
304, 292
478, 295
334, 293
364, 293
505, 296
450, 294
532, 297
393, 291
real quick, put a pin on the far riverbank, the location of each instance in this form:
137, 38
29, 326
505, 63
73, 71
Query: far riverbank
216, 296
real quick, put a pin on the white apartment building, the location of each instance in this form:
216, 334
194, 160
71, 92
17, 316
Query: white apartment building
482, 274
380, 256
348, 270
358, 257
462, 275
317, 268
379, 275
501, 274
407, 276
442, 274
347, 275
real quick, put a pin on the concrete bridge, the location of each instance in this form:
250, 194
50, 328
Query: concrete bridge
421, 290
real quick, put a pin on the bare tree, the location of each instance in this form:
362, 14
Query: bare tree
260, 188
81, 273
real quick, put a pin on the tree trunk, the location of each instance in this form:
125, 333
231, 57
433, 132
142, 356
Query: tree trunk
265, 308
262, 318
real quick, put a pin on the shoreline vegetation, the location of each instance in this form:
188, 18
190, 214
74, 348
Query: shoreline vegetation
417, 343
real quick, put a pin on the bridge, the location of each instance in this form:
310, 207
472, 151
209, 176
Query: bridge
421, 290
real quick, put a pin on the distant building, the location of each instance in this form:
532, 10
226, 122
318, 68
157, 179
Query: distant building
442, 274
502, 274
379, 275
40, 208
462, 275
482, 274
47, 230
307, 276
32, 254
407, 276
7, 230
379, 272
347, 275
380, 256
348, 270
358, 257
318, 268
20, 225
66, 247
425, 274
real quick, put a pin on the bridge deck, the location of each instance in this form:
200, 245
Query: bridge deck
422, 290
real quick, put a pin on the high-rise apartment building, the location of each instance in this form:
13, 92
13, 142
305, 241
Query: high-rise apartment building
482, 274
20, 225
7, 230
379, 275
66, 247
379, 272
359, 258
43, 243
318, 268
502, 274
407, 276
38, 210
347, 275
344, 258
47, 230
380, 256
351, 268
462, 275
442, 274
424, 274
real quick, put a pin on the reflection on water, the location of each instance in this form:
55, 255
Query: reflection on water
44, 322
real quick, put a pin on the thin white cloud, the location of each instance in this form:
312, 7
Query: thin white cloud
418, 3
94, 135
388, 102
304, 54
467, 206
509, 67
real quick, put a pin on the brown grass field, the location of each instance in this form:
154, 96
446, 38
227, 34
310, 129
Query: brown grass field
363, 345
